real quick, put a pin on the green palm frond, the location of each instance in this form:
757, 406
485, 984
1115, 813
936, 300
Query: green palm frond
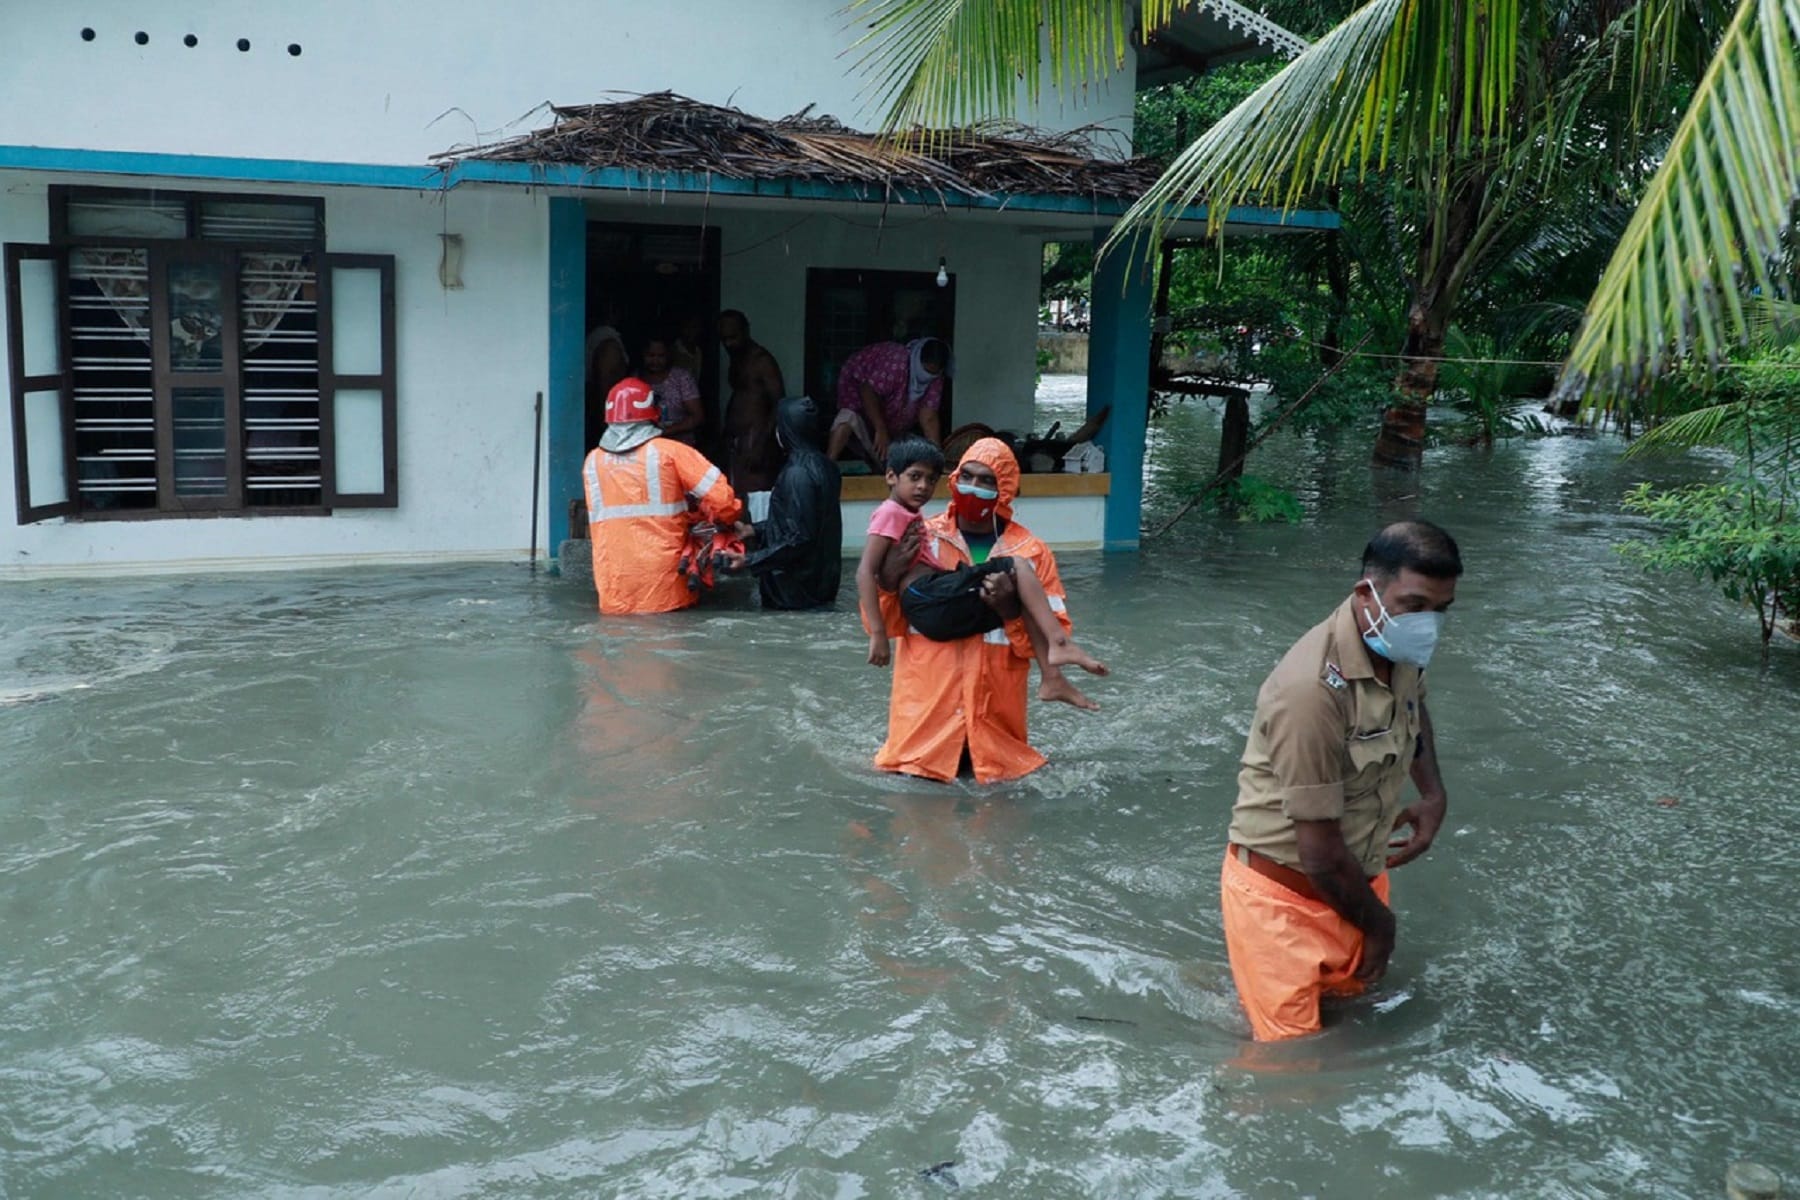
1773, 322
1712, 223
946, 64
1412, 81
1702, 427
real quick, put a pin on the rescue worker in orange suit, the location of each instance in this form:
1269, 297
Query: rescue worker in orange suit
949, 699
1340, 725
644, 494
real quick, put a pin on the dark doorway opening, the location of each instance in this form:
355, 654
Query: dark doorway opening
652, 281
848, 309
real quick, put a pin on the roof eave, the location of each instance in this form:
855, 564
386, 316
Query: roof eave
1209, 36
1078, 211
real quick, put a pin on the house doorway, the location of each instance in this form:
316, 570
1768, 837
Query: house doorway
652, 281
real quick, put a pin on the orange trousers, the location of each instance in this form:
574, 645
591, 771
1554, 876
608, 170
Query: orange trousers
1286, 951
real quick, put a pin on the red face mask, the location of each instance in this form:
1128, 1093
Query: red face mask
972, 505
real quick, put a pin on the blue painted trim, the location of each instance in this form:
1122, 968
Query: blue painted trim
203, 166
683, 183
1119, 375
566, 409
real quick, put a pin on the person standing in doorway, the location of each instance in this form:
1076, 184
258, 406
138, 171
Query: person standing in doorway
752, 455
685, 352
681, 410
1340, 725
607, 363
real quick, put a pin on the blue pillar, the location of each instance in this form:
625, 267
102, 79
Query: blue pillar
1119, 375
566, 404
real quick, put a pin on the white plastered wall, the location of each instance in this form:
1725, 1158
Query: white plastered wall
469, 364
393, 81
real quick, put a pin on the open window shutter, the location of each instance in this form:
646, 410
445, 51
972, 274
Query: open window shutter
356, 381
38, 372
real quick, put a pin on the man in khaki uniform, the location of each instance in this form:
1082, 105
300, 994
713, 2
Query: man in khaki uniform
1340, 724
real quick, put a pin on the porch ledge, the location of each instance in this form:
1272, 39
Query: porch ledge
873, 487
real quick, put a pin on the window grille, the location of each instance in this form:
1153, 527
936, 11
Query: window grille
114, 378
191, 374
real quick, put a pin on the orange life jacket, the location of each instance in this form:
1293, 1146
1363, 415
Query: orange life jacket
638, 520
698, 561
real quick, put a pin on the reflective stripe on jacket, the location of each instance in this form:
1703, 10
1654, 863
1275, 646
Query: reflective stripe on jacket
639, 517
973, 693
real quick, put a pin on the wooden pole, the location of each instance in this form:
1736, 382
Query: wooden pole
1271, 427
537, 459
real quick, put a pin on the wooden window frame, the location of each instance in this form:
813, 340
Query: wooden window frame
62, 193
228, 253
20, 384
228, 379
383, 381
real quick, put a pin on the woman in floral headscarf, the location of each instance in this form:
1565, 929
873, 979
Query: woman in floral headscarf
887, 389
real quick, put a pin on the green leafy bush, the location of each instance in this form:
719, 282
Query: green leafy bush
1736, 534
1741, 533
1254, 499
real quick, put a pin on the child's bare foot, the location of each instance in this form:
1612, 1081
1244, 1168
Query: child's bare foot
1061, 690
1067, 654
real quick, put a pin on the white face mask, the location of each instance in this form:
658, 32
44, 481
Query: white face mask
1408, 638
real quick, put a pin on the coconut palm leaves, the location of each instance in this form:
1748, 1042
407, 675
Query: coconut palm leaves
1713, 222
946, 64
1421, 79
1488, 108
1417, 81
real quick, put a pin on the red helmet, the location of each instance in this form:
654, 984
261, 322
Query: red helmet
630, 400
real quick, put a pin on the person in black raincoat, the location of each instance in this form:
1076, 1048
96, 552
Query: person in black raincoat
799, 551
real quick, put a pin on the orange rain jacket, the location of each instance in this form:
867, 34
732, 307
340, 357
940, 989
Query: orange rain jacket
972, 693
639, 517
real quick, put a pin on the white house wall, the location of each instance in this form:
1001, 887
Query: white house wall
394, 81
468, 365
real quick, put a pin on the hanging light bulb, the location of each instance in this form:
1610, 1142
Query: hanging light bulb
943, 275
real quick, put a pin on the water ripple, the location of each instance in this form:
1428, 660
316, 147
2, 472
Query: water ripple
391, 884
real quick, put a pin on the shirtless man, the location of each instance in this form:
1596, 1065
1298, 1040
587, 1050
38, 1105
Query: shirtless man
756, 388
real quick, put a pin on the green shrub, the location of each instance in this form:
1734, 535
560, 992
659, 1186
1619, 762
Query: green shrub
1742, 532
1254, 499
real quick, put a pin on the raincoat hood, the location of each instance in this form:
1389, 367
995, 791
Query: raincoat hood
798, 422
993, 454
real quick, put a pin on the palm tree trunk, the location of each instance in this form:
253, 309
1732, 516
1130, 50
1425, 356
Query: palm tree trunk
1447, 244
1159, 327
1401, 442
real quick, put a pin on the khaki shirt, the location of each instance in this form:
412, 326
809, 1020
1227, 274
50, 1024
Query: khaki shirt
1330, 742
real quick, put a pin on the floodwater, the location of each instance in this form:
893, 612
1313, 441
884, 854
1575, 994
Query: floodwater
433, 883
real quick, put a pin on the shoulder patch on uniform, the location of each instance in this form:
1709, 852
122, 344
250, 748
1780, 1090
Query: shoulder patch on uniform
1334, 678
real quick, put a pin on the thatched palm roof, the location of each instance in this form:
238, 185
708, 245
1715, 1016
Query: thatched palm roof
665, 132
